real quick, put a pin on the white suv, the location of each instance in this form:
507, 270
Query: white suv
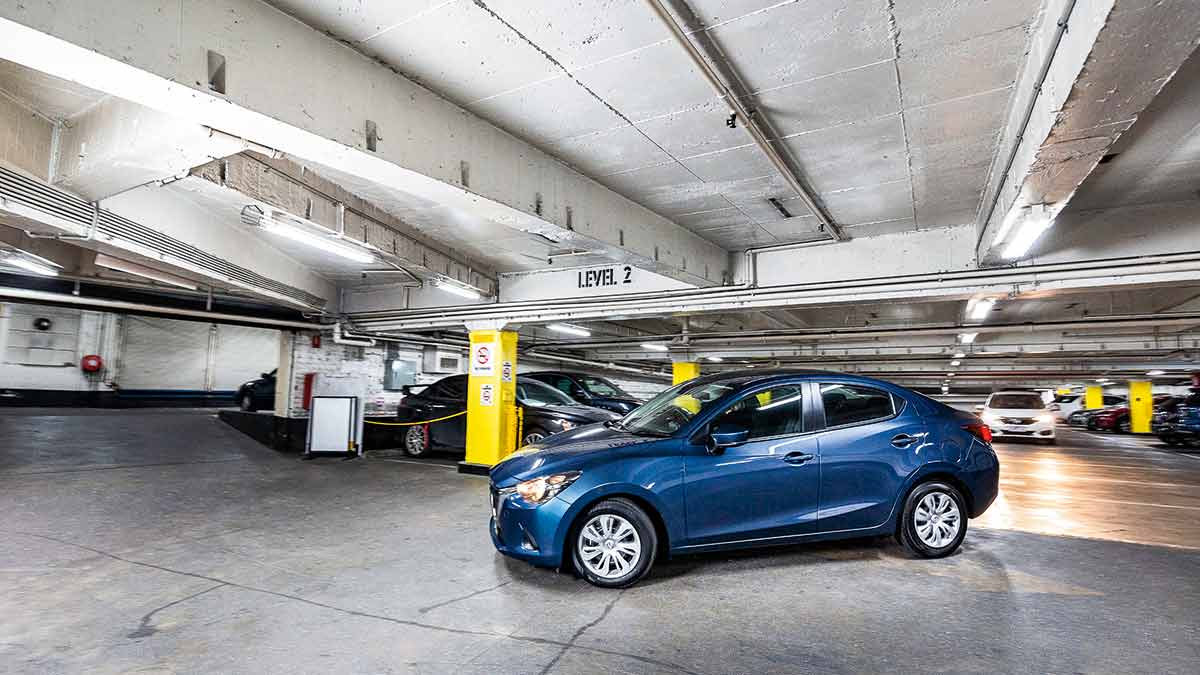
1020, 414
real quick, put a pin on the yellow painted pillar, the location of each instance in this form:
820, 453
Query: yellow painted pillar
491, 400
1141, 407
1094, 398
682, 371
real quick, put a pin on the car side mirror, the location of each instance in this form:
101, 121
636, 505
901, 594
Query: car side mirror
406, 390
727, 436
978, 409
266, 376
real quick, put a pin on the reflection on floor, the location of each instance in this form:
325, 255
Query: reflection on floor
1098, 485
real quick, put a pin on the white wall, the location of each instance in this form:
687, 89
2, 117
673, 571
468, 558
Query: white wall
73, 335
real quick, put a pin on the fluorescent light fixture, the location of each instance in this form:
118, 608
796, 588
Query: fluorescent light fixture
960, 355
29, 262
1036, 222
306, 232
1156, 373
569, 330
109, 262
655, 348
714, 359
1103, 380
956, 363
981, 308
967, 338
458, 289
949, 374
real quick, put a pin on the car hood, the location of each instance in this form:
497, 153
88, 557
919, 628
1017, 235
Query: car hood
564, 451
580, 412
1015, 412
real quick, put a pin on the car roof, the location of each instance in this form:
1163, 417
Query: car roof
754, 376
1017, 391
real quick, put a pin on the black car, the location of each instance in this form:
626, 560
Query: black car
589, 390
545, 411
257, 394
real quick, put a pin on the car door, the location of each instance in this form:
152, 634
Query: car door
444, 398
871, 441
764, 488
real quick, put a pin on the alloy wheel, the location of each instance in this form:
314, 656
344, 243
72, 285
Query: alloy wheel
609, 546
414, 441
937, 520
534, 437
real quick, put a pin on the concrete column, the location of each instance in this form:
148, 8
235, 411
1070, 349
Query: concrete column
682, 371
1094, 398
491, 400
1141, 407
283, 375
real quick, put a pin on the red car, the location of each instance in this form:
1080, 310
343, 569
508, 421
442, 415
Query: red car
1116, 419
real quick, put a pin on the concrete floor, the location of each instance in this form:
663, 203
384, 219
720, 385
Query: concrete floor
167, 542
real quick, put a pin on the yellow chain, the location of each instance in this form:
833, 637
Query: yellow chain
413, 424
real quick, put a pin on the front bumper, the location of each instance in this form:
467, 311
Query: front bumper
1176, 430
529, 532
1003, 429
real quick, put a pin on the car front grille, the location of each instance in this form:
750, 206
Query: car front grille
1018, 420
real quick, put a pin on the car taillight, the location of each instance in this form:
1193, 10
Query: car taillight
981, 431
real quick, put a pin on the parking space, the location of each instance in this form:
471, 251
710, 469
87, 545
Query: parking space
194, 549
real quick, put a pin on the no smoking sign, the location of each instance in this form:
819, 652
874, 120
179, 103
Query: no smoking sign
483, 362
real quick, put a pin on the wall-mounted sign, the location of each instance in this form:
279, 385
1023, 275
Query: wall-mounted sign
487, 394
584, 282
483, 359
506, 371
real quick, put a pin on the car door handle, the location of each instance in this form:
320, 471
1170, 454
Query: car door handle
903, 440
797, 457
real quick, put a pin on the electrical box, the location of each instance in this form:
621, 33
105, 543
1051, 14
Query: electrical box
438, 360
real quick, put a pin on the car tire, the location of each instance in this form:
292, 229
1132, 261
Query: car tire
534, 435
416, 441
246, 403
933, 523
619, 538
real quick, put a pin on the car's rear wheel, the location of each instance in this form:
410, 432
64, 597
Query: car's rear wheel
615, 544
246, 402
934, 521
416, 441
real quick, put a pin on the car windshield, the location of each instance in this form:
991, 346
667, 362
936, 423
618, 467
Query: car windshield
598, 386
668, 412
534, 393
1066, 398
1016, 402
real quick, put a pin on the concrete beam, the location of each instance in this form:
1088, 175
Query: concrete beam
157, 53
26, 137
1083, 86
117, 145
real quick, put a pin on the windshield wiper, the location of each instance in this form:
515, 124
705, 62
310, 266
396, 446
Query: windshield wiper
615, 424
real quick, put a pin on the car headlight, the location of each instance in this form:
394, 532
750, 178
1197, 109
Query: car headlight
990, 419
1046, 419
567, 425
543, 488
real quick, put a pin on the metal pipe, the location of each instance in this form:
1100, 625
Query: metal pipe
752, 257
597, 364
21, 294
348, 340
748, 120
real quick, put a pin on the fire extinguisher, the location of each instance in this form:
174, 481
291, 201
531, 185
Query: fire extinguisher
92, 363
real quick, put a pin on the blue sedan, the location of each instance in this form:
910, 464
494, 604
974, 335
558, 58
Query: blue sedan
745, 459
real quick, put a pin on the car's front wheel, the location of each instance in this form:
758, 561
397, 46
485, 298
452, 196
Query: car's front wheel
934, 521
615, 545
416, 442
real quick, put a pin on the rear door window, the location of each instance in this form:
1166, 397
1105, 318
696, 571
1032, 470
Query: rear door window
855, 404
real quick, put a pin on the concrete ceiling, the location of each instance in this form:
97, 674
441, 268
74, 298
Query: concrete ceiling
891, 112
1158, 160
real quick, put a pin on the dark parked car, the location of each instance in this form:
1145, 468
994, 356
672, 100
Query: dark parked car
589, 390
257, 394
1181, 425
545, 411
743, 459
